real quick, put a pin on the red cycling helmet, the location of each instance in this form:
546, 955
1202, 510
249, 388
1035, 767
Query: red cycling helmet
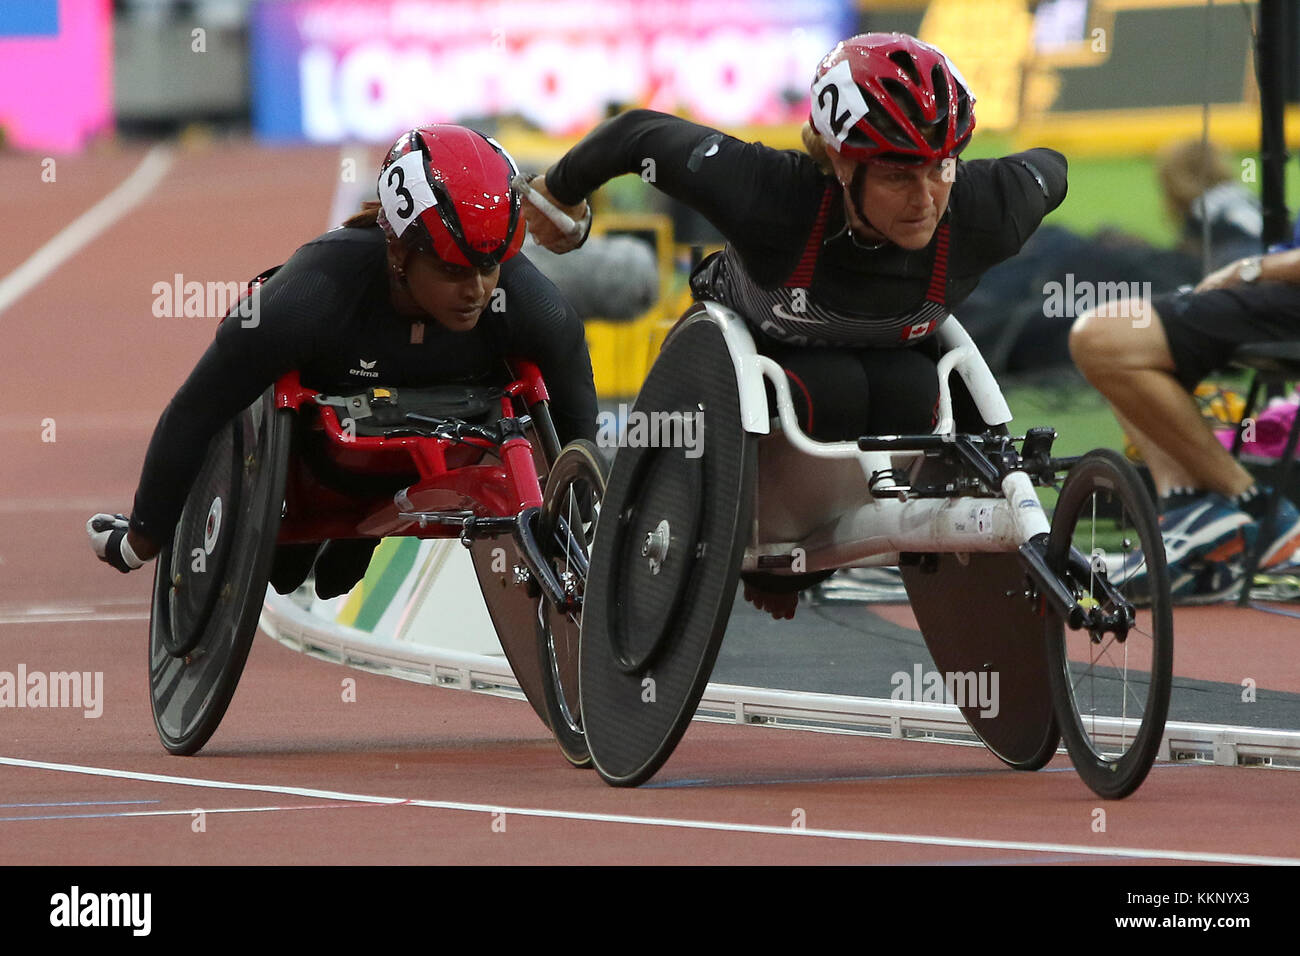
888, 97
447, 190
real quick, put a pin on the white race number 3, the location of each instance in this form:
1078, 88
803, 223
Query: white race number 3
404, 191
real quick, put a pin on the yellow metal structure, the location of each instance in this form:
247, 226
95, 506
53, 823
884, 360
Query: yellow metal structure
623, 351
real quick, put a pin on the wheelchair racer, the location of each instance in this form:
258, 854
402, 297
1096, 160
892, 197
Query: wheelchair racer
844, 259
399, 295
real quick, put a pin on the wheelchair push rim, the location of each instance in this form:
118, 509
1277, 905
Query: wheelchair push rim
190, 690
1110, 684
570, 514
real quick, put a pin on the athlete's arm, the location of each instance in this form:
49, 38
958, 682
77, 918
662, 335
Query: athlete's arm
542, 326
755, 196
245, 358
1002, 201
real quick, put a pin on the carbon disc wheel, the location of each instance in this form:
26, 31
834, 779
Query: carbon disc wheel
666, 561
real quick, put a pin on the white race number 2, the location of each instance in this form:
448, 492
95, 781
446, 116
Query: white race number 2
837, 102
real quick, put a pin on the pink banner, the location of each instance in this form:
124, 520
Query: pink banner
332, 70
56, 91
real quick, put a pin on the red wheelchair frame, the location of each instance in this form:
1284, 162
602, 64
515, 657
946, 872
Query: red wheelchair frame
307, 477
456, 495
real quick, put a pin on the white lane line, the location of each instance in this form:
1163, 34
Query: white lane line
88, 503
110, 422
86, 227
914, 839
112, 815
71, 618
126, 609
73, 604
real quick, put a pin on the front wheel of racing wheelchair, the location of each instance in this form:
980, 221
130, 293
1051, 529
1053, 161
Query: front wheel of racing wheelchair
1112, 663
567, 528
958, 512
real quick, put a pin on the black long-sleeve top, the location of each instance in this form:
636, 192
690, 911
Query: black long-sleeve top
766, 203
327, 313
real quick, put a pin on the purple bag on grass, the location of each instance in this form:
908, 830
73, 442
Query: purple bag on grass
1272, 426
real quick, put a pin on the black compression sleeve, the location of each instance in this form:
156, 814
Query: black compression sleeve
215, 392
761, 199
1000, 202
542, 326
1032, 184
1048, 170
245, 358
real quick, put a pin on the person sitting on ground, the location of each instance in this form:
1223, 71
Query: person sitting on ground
1197, 185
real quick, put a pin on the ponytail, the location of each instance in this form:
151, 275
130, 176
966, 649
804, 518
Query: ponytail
814, 147
368, 216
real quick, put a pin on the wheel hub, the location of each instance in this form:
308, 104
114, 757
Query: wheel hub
655, 548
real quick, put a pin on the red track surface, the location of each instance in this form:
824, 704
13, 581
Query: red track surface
84, 349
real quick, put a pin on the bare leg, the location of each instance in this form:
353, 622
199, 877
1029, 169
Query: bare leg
1166, 472
1121, 349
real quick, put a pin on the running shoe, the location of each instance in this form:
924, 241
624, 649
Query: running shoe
1285, 537
1212, 582
1210, 529
1190, 582
1203, 541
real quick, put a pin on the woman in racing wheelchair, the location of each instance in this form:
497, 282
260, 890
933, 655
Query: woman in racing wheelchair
844, 260
424, 287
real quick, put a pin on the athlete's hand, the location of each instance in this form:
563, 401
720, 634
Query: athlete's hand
108, 539
780, 605
1224, 278
547, 233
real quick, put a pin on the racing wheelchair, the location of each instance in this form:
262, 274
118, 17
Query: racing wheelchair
299, 467
1072, 613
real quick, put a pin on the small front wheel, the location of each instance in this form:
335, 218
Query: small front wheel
570, 509
1110, 675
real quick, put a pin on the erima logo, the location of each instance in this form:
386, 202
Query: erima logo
781, 313
365, 370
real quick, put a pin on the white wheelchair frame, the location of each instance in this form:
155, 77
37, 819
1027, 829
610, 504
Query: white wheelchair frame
840, 522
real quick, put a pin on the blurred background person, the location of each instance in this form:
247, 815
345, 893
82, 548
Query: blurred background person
1199, 189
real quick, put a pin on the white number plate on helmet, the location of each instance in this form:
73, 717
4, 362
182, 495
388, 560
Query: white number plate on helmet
404, 191
837, 103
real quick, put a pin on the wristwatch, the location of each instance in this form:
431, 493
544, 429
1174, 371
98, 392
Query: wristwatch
1250, 269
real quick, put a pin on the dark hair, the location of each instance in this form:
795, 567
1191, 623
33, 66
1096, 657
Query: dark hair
367, 217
